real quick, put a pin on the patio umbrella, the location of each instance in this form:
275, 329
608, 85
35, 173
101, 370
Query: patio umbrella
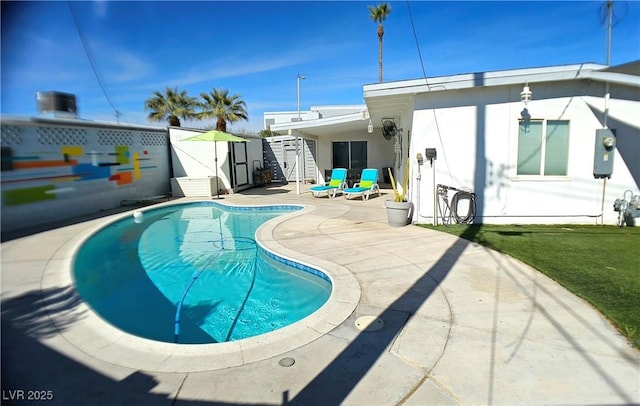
216, 136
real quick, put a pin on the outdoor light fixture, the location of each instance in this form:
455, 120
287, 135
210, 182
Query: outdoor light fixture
526, 94
370, 127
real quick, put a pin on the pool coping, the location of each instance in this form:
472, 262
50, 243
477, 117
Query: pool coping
95, 337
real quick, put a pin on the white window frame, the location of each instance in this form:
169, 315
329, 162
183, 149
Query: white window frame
543, 152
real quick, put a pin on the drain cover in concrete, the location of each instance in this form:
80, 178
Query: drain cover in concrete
287, 362
369, 323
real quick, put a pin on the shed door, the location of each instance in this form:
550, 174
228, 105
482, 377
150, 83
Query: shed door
240, 165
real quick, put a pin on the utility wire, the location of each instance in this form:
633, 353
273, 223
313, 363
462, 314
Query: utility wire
415, 36
424, 74
85, 45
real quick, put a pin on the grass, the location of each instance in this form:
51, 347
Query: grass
600, 264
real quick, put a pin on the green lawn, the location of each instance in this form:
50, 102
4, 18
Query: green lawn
601, 264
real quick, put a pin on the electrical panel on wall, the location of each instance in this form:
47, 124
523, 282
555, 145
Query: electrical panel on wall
604, 153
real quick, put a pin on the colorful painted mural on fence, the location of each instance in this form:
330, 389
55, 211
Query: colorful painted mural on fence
54, 175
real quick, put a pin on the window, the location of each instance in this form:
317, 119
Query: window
543, 147
350, 154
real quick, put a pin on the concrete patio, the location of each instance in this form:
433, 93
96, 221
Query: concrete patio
455, 324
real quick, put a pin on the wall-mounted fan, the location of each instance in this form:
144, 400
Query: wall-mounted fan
389, 128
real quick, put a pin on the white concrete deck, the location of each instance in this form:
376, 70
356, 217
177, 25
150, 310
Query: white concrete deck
461, 325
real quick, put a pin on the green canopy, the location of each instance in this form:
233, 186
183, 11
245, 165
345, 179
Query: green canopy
216, 136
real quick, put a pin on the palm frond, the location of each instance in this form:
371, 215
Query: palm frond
171, 106
226, 108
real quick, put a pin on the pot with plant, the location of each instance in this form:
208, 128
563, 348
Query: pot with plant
399, 209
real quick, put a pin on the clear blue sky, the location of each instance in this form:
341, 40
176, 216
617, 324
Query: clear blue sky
256, 49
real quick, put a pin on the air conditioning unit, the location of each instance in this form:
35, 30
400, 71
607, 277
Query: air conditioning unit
57, 103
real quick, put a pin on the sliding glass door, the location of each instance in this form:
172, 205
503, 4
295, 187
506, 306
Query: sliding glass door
350, 154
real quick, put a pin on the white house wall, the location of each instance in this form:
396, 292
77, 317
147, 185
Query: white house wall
379, 150
624, 116
477, 149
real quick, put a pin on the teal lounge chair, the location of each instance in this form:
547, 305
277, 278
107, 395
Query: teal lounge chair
368, 184
335, 185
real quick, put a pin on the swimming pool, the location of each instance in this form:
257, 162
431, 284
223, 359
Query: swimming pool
193, 274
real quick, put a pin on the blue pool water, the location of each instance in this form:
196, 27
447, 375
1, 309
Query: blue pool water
193, 273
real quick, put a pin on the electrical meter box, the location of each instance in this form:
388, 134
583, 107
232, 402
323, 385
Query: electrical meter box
604, 153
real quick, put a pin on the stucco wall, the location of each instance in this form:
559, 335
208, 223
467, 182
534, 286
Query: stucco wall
53, 170
379, 151
476, 135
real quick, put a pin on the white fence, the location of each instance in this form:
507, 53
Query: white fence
54, 169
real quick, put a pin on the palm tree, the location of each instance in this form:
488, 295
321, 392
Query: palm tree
379, 14
267, 133
225, 108
171, 106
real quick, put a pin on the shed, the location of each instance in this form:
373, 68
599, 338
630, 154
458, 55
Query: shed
193, 164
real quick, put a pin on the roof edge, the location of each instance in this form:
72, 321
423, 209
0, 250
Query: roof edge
77, 122
590, 71
333, 120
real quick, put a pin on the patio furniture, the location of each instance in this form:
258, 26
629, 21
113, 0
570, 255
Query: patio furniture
353, 176
336, 184
368, 184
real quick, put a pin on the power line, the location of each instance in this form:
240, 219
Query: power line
424, 74
87, 51
415, 36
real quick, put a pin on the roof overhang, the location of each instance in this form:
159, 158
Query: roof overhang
485, 79
325, 126
394, 98
612, 77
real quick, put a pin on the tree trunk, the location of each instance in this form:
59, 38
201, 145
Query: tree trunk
221, 125
174, 121
380, 35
